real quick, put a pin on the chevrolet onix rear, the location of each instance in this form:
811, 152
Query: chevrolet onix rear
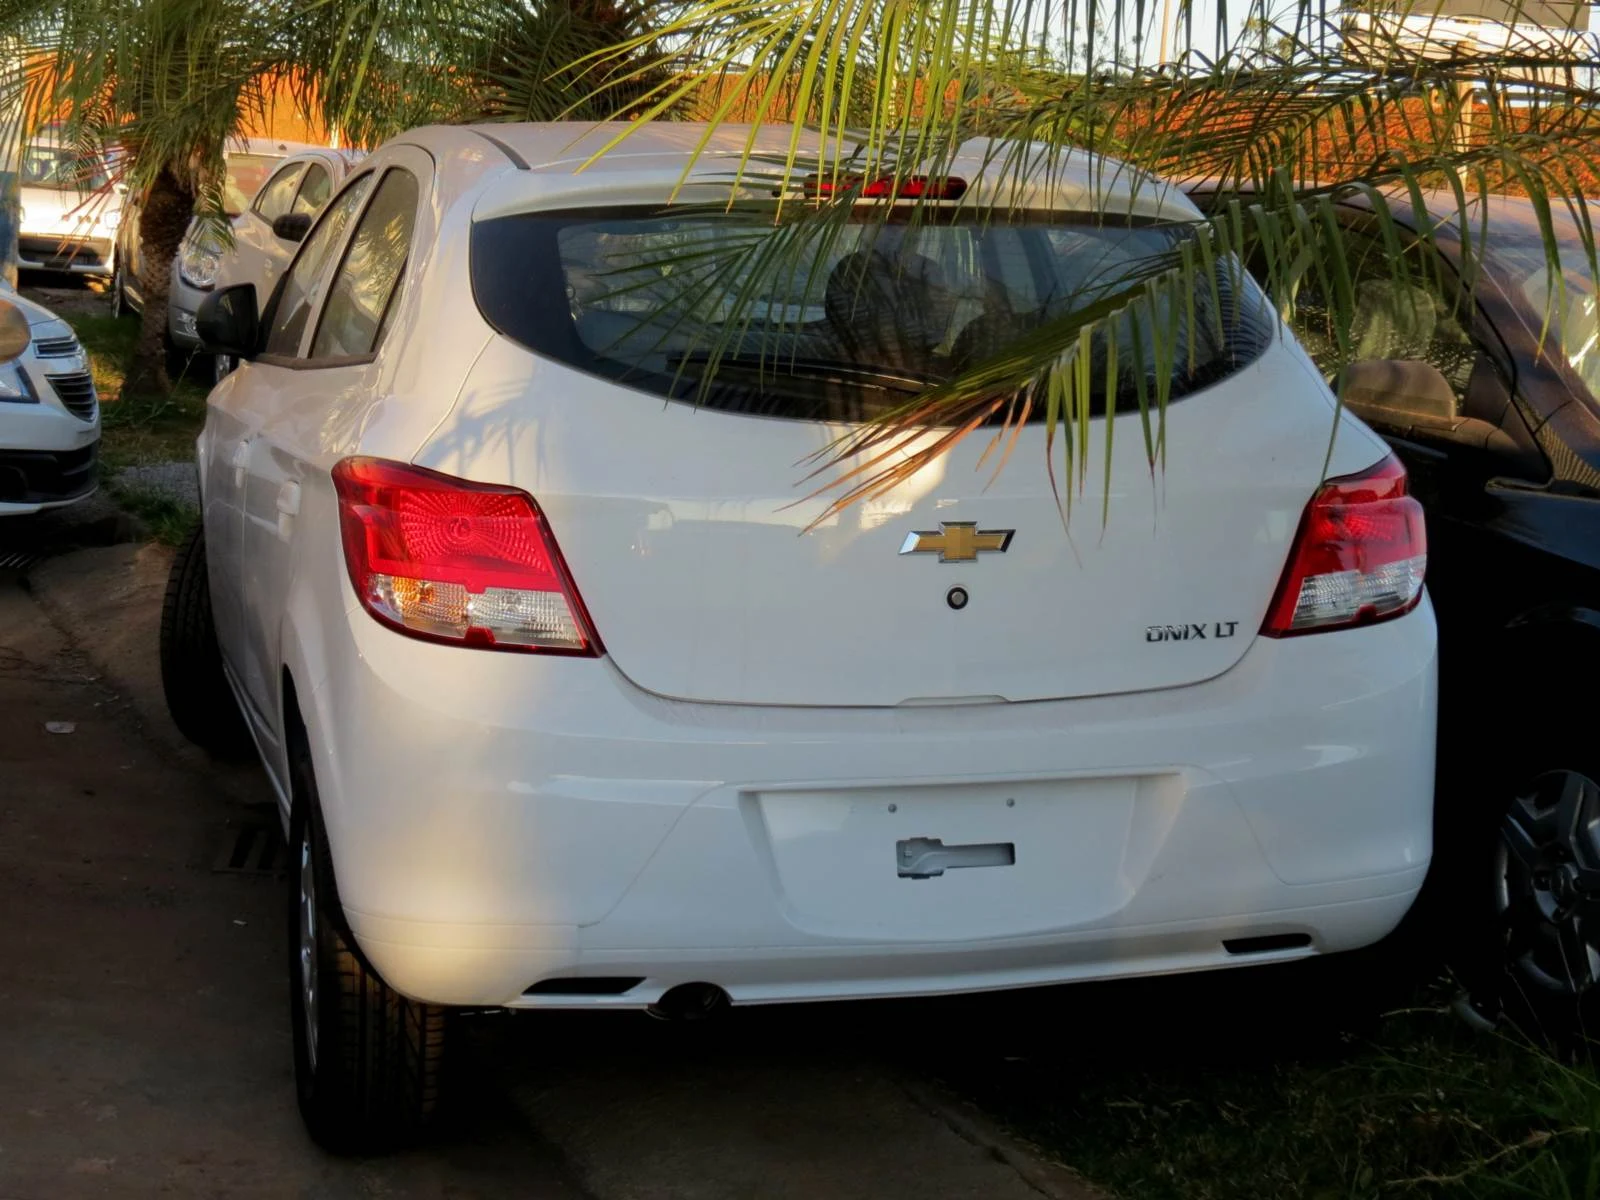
575, 698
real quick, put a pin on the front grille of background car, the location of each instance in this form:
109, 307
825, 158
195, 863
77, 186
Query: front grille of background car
40, 476
61, 347
76, 392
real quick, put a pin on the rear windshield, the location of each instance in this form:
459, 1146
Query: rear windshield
838, 322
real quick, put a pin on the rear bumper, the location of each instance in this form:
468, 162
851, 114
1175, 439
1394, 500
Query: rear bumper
498, 820
74, 256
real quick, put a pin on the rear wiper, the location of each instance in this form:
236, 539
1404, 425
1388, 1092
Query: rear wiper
812, 368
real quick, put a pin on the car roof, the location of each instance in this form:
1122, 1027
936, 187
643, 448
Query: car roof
271, 147
349, 158
559, 152
1502, 212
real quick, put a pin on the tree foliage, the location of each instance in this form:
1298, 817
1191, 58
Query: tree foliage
1282, 121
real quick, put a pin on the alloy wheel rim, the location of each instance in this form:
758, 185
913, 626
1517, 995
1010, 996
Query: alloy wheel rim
1547, 877
308, 947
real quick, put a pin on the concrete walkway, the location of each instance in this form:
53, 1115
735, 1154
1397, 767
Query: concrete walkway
144, 1042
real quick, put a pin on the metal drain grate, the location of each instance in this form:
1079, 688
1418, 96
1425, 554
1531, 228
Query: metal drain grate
252, 850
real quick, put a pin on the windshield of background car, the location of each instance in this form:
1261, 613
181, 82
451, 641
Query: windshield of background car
59, 167
840, 320
246, 174
1568, 298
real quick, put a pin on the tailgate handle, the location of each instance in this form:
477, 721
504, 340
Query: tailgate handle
925, 858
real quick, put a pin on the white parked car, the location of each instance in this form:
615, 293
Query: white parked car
49, 416
70, 210
568, 705
264, 239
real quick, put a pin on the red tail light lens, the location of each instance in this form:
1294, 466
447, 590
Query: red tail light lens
912, 187
453, 561
1359, 557
916, 187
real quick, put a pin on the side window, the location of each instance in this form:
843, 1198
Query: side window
363, 291
304, 282
314, 190
277, 195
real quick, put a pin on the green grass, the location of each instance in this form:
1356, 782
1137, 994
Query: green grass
1163, 1106
139, 427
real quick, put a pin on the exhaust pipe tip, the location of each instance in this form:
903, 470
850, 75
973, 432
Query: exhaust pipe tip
689, 1002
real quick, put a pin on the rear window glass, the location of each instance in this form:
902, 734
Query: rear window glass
838, 322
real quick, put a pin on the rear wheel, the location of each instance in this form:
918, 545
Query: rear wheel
1517, 849
1545, 888
197, 693
367, 1059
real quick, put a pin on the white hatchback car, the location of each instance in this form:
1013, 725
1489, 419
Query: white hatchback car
571, 702
49, 414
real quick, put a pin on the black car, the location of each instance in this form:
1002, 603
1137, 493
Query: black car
1496, 414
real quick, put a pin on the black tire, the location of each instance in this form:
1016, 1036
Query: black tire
367, 1060
198, 697
119, 294
1544, 880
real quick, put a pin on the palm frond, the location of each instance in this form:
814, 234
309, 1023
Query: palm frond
1277, 125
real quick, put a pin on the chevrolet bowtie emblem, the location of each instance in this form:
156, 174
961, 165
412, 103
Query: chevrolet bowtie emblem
957, 541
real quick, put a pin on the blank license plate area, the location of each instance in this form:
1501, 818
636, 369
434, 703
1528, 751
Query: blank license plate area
952, 861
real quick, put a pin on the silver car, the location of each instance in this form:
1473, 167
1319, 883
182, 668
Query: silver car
265, 237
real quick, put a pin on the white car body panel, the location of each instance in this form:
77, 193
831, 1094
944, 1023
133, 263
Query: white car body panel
48, 425
498, 819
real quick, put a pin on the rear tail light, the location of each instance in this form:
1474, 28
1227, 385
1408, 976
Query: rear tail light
1359, 557
453, 561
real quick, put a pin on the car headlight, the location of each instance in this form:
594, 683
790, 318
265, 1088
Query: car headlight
15, 386
198, 263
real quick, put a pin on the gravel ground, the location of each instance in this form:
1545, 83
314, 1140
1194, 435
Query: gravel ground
172, 480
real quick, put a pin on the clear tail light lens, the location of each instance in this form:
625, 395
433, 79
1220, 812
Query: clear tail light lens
449, 560
1359, 556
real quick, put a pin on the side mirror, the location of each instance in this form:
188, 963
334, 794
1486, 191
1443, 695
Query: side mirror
1395, 391
229, 323
292, 227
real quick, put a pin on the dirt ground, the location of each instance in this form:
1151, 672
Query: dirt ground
144, 1047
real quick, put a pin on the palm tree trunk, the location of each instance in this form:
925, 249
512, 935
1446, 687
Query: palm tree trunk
163, 220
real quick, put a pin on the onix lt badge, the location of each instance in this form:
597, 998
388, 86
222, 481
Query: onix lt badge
957, 541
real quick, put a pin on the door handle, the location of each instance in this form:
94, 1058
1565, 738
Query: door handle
240, 460
288, 507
